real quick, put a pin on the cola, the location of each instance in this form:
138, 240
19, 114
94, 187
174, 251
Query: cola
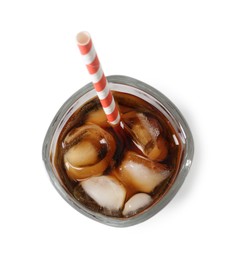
118, 172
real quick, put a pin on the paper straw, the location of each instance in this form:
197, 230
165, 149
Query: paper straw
99, 80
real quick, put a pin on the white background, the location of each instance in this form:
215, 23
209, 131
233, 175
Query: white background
189, 50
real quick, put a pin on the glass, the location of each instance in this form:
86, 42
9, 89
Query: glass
131, 86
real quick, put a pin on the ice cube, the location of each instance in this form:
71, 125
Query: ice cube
140, 173
136, 203
107, 191
147, 134
97, 117
88, 151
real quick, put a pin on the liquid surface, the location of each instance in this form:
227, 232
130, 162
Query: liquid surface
118, 172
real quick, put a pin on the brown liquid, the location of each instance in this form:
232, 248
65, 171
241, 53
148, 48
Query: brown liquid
127, 103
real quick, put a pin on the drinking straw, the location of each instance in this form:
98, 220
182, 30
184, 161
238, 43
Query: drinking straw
98, 78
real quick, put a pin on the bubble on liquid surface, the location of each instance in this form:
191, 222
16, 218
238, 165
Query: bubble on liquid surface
147, 134
136, 203
106, 191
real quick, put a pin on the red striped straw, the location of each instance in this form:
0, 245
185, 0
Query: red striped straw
99, 80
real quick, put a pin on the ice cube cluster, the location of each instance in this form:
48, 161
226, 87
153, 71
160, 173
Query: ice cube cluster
125, 187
